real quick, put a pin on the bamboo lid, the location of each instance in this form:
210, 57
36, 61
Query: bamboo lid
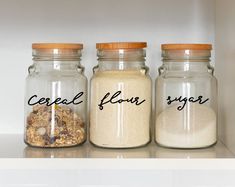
186, 46
57, 46
121, 45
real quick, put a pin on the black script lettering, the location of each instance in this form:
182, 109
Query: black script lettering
185, 100
57, 101
201, 101
77, 97
114, 100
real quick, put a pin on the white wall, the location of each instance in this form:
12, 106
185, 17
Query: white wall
225, 68
25, 21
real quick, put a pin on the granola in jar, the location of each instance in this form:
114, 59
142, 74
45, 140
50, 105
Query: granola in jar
54, 126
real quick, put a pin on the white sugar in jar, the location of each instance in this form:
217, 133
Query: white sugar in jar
186, 97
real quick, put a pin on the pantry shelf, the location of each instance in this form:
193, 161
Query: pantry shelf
16, 155
16, 148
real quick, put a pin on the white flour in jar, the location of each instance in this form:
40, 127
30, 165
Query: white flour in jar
125, 124
193, 127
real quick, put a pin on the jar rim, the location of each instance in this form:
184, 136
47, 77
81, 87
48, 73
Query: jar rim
186, 46
121, 45
72, 46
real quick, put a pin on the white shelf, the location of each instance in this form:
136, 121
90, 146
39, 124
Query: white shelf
15, 154
12, 146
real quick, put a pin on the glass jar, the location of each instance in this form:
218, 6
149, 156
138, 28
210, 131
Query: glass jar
120, 96
56, 97
186, 97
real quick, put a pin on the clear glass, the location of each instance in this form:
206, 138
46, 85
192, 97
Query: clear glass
120, 102
186, 100
55, 99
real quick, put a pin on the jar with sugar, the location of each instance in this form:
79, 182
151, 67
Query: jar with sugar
186, 97
56, 96
120, 101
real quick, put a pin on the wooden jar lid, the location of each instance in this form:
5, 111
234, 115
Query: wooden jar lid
186, 46
121, 45
57, 46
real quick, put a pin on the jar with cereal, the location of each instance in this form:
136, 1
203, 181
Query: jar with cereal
56, 96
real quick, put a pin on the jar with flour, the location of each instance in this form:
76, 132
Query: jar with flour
120, 101
186, 97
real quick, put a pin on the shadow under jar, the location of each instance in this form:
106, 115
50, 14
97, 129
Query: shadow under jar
120, 104
56, 97
186, 97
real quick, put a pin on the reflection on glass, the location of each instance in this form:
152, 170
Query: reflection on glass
72, 152
161, 152
96, 152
